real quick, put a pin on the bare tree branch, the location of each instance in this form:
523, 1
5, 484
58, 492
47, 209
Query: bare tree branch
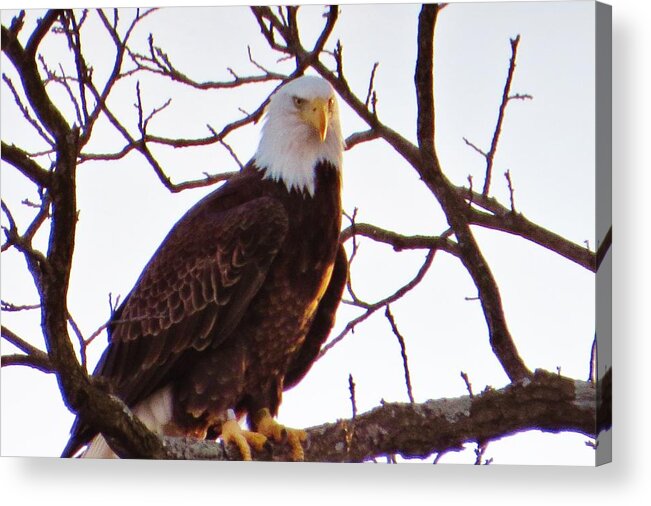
466, 380
25, 164
547, 402
429, 168
42, 28
507, 175
360, 137
33, 356
158, 62
403, 351
25, 63
41, 363
424, 79
501, 218
25, 110
398, 241
372, 308
13, 308
490, 156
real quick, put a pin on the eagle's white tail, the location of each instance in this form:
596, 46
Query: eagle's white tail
155, 412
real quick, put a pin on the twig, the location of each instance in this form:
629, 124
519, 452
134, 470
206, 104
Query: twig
474, 147
507, 175
351, 389
63, 80
228, 148
74, 40
403, 351
11, 308
155, 111
23, 345
479, 452
490, 156
158, 62
11, 232
521, 96
42, 215
25, 111
80, 338
372, 308
17, 23
371, 92
353, 233
470, 193
468, 384
356, 301
359, 137
438, 457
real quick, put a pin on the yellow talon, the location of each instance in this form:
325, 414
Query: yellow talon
266, 425
243, 439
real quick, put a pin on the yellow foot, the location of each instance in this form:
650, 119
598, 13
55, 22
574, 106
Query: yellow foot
243, 439
266, 425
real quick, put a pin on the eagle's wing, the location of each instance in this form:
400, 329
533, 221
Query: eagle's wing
190, 296
323, 321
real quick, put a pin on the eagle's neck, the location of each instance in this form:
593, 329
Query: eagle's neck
289, 152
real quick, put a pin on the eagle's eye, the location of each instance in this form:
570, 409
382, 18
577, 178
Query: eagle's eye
298, 101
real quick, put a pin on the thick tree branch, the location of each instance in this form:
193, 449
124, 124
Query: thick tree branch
424, 79
503, 219
42, 28
428, 167
39, 362
20, 343
546, 402
25, 63
25, 164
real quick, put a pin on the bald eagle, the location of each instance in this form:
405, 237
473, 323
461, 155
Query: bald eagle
235, 304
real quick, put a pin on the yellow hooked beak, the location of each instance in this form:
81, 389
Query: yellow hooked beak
316, 112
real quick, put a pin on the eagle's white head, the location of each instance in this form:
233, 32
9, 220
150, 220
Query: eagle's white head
301, 129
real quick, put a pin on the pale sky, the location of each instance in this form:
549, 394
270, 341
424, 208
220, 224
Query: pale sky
547, 144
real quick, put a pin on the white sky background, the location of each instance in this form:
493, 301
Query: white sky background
547, 144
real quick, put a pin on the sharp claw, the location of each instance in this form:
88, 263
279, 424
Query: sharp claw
256, 440
266, 425
232, 433
243, 439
